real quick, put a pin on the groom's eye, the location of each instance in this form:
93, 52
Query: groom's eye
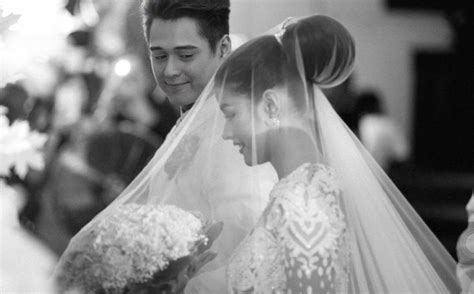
186, 56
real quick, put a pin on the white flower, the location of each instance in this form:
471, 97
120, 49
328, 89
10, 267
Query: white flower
131, 245
19, 147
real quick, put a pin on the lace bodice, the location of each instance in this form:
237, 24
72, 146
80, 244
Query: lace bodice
299, 244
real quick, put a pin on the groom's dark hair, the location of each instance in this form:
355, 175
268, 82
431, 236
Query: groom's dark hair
212, 16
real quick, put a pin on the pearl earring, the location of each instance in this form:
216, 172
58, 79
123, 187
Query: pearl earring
276, 122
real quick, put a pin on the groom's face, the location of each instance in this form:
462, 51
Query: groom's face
182, 59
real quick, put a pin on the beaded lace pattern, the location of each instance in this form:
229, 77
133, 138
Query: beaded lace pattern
299, 244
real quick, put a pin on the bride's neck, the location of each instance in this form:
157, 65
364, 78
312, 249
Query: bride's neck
292, 150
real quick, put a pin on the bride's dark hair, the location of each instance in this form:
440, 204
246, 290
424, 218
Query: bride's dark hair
325, 46
318, 45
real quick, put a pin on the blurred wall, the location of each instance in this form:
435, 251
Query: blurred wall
385, 41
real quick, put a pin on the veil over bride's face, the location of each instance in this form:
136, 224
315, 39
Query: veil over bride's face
245, 126
262, 127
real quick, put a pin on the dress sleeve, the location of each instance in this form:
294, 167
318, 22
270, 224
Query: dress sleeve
309, 227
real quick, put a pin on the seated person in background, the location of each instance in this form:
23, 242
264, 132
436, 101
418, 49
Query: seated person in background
378, 132
85, 177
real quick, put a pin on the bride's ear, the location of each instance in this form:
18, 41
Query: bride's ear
271, 107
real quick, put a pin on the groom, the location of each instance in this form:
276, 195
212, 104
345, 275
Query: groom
188, 39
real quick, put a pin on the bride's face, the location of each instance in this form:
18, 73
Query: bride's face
245, 127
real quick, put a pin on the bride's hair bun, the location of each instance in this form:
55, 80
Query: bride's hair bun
323, 46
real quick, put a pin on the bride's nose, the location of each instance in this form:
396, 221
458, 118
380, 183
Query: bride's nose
227, 132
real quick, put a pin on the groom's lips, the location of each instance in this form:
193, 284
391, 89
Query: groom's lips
176, 86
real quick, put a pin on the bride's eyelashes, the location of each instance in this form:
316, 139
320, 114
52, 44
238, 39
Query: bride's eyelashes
229, 116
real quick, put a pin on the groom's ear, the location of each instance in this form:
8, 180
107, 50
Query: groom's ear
271, 106
225, 47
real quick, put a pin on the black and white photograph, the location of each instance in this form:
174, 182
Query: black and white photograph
236, 146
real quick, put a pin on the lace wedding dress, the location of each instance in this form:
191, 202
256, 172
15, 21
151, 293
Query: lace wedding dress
299, 244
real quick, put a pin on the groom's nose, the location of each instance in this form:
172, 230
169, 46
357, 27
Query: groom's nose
172, 67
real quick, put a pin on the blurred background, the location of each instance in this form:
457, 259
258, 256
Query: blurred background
78, 71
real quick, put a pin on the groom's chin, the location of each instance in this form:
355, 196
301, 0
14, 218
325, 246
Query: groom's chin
182, 97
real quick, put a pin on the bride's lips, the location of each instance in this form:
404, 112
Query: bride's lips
240, 146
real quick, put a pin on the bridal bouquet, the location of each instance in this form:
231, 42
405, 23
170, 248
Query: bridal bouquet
136, 249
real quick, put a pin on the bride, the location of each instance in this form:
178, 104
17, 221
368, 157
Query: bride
335, 223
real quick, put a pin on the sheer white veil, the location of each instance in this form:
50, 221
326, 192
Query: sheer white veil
194, 169
391, 249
